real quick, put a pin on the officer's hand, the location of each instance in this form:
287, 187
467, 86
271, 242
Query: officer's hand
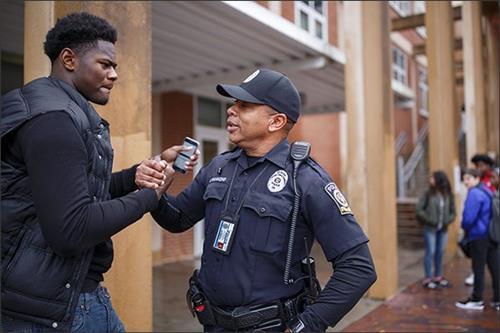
150, 174
169, 173
171, 153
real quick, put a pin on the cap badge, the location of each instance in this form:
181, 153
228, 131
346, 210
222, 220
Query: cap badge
251, 76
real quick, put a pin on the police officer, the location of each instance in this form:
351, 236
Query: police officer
246, 197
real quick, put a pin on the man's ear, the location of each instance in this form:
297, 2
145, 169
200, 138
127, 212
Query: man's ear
68, 59
277, 122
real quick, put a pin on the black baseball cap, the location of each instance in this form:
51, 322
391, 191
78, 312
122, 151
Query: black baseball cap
265, 86
482, 158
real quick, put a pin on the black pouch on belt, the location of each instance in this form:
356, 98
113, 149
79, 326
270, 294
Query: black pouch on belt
198, 303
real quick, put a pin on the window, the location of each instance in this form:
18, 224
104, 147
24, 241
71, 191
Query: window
423, 91
419, 8
399, 66
212, 112
311, 17
402, 7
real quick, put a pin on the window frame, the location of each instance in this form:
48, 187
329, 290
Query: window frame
402, 71
398, 7
223, 106
423, 89
312, 17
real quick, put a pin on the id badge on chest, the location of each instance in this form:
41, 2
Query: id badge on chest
225, 233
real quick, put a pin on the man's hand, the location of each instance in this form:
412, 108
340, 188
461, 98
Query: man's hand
169, 155
150, 174
169, 178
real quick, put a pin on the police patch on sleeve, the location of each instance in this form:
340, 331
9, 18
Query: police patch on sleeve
277, 181
332, 190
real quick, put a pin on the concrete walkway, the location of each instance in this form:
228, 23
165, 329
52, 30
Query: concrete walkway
417, 309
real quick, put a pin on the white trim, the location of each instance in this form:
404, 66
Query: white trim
423, 113
423, 86
396, 6
275, 7
402, 90
400, 41
287, 28
401, 70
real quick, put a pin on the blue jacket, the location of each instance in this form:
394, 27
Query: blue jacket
476, 216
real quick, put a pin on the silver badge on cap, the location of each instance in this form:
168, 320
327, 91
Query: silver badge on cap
277, 181
251, 76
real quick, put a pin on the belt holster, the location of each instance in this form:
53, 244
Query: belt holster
197, 302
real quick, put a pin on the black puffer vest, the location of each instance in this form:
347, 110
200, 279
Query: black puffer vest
37, 284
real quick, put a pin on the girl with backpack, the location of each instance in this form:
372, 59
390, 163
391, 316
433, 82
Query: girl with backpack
436, 210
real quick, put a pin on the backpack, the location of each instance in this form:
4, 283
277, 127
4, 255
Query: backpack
494, 228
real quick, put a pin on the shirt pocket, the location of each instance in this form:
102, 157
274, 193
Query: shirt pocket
214, 199
270, 215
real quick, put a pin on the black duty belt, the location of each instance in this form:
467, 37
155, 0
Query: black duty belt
271, 316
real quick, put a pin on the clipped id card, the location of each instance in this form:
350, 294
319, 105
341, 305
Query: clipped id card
225, 234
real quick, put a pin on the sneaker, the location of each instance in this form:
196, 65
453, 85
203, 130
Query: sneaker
469, 281
470, 304
429, 284
442, 282
495, 305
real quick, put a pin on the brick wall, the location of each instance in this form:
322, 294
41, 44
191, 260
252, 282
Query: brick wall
287, 10
402, 123
322, 132
263, 3
332, 23
177, 123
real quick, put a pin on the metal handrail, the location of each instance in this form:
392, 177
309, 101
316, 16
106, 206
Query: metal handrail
406, 170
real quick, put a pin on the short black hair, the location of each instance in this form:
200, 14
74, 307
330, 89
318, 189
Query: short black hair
79, 32
482, 158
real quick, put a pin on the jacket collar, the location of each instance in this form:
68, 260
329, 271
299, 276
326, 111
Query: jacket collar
277, 155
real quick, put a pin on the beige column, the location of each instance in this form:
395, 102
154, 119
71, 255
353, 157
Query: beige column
38, 18
443, 144
492, 95
371, 187
129, 112
474, 79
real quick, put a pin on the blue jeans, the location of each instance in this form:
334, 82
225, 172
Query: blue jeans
435, 244
94, 313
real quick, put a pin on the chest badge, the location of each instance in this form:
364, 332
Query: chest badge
332, 190
277, 181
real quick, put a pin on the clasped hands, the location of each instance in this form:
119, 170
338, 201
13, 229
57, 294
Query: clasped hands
157, 172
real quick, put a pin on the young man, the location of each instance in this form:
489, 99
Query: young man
60, 202
251, 276
484, 164
475, 222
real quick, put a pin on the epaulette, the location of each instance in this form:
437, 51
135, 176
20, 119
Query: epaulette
318, 169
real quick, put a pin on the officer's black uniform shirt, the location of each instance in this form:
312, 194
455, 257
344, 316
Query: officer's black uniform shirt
252, 273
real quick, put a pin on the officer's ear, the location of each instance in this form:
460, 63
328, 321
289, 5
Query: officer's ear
277, 122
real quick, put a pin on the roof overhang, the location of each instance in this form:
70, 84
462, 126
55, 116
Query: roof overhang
197, 44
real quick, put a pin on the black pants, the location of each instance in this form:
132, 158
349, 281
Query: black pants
485, 251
